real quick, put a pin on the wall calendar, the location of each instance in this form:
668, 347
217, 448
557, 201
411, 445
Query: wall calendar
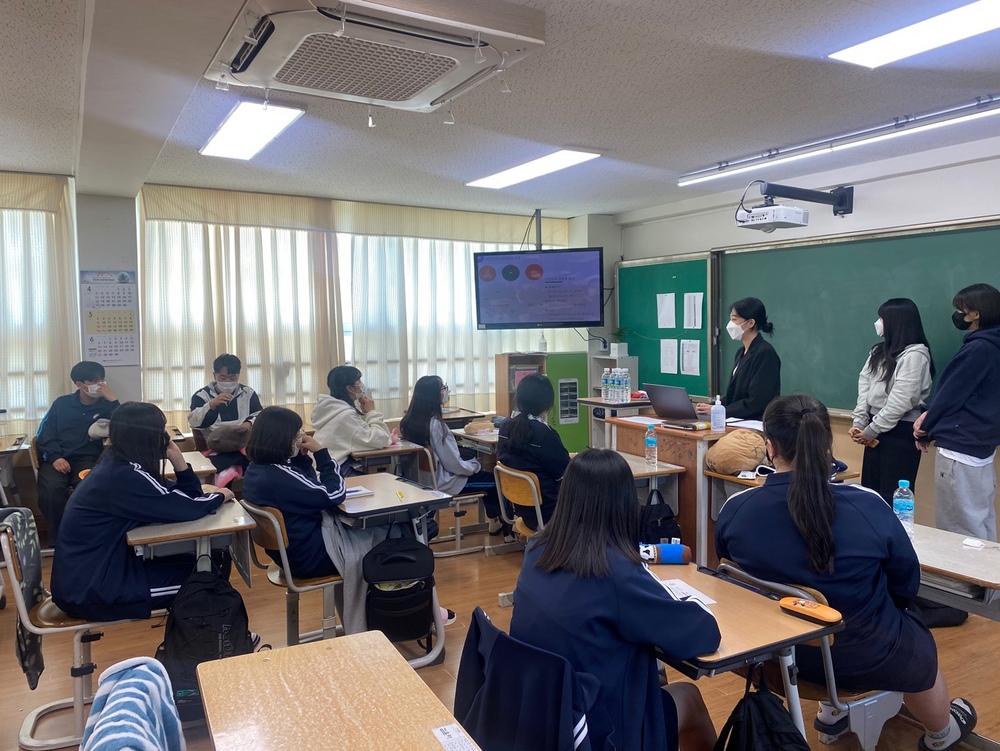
110, 317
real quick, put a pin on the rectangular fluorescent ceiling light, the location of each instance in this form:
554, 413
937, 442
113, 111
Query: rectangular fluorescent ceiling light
953, 26
535, 168
249, 128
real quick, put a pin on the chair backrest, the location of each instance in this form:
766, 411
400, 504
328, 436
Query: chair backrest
22, 553
33, 450
426, 462
519, 487
270, 532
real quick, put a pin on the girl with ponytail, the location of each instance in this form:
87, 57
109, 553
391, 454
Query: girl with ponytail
844, 541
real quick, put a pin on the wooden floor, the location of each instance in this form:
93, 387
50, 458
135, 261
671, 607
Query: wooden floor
967, 654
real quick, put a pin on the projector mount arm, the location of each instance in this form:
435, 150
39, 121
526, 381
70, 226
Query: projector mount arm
841, 198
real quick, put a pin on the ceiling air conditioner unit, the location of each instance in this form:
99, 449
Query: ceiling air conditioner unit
411, 55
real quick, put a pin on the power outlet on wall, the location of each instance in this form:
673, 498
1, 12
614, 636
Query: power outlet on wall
602, 345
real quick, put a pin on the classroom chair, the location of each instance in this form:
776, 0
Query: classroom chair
521, 489
270, 534
866, 711
426, 463
499, 675
23, 561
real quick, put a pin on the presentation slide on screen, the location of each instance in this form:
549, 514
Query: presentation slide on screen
539, 288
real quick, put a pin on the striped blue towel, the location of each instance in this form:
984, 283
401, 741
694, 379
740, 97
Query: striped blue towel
134, 709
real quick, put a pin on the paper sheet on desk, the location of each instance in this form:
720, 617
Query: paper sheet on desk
359, 491
681, 590
736, 422
642, 420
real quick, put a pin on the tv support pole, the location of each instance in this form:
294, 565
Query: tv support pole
538, 229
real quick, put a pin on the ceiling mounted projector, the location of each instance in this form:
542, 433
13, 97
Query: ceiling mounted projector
768, 218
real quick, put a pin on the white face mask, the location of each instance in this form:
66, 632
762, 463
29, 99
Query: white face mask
226, 387
734, 330
295, 450
878, 328
93, 389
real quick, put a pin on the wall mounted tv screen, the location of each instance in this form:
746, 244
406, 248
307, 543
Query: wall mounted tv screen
540, 289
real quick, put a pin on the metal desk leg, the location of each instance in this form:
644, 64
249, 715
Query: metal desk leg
786, 660
203, 547
420, 527
701, 506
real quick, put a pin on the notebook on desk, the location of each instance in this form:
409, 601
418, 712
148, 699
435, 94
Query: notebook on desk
673, 405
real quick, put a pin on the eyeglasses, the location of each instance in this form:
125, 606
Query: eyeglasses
444, 386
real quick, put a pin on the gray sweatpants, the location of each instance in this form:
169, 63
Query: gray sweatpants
963, 500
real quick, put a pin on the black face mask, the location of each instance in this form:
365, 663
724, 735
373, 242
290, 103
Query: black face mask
958, 318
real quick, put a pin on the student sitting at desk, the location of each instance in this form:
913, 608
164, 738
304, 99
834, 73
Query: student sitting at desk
585, 594
347, 421
423, 424
526, 442
756, 376
225, 402
845, 542
64, 445
96, 574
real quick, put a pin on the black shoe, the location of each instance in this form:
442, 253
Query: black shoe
966, 717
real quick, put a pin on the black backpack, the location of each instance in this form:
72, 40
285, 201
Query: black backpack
657, 522
207, 621
760, 722
402, 613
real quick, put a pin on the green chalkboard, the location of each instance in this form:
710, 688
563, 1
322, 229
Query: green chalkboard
824, 299
638, 285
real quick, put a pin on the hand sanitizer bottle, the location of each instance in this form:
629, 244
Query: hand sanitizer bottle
718, 416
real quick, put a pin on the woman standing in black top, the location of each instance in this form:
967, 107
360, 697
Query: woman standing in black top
756, 376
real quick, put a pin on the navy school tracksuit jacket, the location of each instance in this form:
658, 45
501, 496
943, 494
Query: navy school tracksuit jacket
294, 489
95, 572
63, 431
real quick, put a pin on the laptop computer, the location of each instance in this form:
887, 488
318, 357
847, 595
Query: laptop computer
673, 405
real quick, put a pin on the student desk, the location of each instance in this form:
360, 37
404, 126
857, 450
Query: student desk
484, 444
200, 463
354, 692
721, 487
228, 526
655, 475
398, 499
687, 449
954, 574
393, 453
754, 629
611, 409
457, 417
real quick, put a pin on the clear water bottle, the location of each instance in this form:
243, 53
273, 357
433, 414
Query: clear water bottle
605, 380
613, 386
627, 386
718, 413
650, 446
902, 506
543, 346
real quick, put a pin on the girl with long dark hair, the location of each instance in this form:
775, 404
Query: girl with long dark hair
96, 574
756, 376
347, 421
526, 442
585, 594
892, 387
844, 541
423, 424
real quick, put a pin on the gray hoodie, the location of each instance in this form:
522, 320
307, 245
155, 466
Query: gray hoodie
344, 430
881, 405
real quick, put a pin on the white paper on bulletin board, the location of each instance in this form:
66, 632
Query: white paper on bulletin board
666, 316
690, 357
692, 309
110, 304
668, 356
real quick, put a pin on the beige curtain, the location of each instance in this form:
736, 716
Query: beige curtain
39, 304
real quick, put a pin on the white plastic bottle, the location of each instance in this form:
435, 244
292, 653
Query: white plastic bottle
605, 380
650, 446
543, 346
718, 413
902, 506
613, 386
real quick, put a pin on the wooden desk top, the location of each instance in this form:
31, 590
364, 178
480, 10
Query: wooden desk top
640, 469
943, 553
598, 402
402, 447
847, 474
229, 517
353, 692
691, 435
12, 443
749, 622
490, 438
386, 498
201, 465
